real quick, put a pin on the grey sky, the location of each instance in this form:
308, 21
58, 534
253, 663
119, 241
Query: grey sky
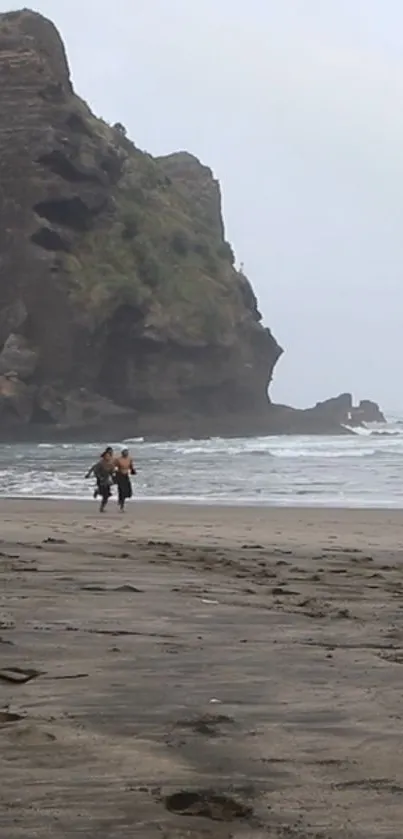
297, 105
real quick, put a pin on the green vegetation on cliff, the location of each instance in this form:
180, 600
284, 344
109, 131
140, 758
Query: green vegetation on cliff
159, 248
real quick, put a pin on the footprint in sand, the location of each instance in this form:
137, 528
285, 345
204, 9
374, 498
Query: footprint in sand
51, 540
207, 804
6, 717
209, 725
30, 735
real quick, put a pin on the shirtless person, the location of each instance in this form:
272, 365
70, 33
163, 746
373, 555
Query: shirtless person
124, 468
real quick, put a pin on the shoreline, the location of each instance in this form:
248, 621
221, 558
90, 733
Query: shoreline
208, 672
203, 502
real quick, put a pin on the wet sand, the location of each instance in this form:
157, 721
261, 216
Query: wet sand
200, 672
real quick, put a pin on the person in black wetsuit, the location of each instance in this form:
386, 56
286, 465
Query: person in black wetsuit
103, 471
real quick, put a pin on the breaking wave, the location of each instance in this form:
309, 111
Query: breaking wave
361, 469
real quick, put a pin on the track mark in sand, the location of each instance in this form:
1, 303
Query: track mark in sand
280, 590
173, 649
337, 571
6, 717
125, 588
334, 645
393, 657
29, 735
69, 676
338, 549
251, 547
19, 676
25, 569
292, 761
116, 632
7, 623
152, 544
208, 724
49, 627
51, 540
207, 804
371, 784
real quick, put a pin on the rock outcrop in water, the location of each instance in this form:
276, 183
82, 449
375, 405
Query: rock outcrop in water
121, 310
367, 412
340, 410
118, 291
338, 415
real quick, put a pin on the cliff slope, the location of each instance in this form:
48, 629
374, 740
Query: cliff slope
118, 292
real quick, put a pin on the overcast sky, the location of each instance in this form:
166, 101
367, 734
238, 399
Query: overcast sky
297, 105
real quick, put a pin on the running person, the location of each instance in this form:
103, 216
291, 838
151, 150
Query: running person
103, 470
124, 469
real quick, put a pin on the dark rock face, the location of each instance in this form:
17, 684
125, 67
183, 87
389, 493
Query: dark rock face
337, 415
338, 408
17, 357
16, 401
115, 277
367, 412
341, 409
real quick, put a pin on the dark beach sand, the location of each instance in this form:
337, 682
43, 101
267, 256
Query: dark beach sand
250, 660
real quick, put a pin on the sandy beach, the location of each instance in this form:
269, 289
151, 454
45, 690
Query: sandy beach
186, 671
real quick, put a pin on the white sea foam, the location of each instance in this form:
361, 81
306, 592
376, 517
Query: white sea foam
359, 431
364, 469
307, 453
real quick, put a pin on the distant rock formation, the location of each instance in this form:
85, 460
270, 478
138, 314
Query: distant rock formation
116, 280
337, 415
121, 310
341, 409
367, 412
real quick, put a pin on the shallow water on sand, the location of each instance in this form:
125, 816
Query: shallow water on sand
362, 470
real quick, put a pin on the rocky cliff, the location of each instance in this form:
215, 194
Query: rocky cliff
119, 299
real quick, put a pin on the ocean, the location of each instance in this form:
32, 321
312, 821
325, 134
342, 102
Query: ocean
364, 470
